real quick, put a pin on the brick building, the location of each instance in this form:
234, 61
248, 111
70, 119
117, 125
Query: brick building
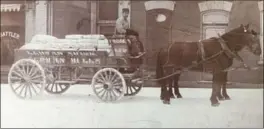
189, 20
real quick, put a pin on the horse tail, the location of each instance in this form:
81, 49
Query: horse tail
159, 67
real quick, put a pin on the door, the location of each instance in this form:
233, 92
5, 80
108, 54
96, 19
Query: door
107, 14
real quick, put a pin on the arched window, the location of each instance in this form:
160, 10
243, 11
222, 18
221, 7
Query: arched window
215, 17
214, 21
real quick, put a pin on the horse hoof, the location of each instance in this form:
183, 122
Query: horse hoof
179, 97
215, 104
161, 98
221, 98
166, 102
227, 98
173, 97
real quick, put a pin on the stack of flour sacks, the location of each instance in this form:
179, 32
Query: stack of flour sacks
71, 42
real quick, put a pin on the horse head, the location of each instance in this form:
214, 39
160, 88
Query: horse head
241, 37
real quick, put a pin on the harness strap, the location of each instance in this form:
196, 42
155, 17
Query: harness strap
227, 51
201, 49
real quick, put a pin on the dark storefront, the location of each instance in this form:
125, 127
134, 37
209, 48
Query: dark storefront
12, 32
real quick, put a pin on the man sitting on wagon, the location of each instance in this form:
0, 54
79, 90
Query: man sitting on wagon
135, 49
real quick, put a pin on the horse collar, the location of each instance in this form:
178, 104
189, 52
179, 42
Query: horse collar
228, 51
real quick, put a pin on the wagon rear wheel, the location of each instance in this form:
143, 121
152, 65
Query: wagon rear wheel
109, 85
133, 89
27, 78
55, 88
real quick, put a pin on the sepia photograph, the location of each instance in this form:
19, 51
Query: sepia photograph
131, 64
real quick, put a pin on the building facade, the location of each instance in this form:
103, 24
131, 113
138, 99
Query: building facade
189, 21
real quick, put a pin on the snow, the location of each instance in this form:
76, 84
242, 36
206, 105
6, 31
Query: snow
79, 108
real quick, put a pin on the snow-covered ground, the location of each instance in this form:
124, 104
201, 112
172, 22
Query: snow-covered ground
76, 109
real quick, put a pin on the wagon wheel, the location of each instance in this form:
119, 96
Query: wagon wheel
27, 78
55, 88
133, 89
109, 85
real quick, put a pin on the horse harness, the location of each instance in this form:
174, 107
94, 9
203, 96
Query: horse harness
225, 49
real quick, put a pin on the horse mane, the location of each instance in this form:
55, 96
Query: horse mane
231, 40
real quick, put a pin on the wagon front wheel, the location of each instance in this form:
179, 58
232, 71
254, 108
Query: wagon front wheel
109, 85
27, 78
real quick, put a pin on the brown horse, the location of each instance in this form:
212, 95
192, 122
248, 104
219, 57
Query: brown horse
215, 54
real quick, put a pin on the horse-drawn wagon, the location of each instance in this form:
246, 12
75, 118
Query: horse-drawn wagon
53, 65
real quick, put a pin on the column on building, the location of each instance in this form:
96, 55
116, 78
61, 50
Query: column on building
260, 4
158, 27
50, 17
41, 17
30, 21
214, 21
93, 16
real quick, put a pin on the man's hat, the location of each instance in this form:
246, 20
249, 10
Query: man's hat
125, 10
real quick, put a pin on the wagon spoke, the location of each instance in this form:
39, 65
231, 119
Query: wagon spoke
61, 88
52, 86
35, 81
107, 95
22, 89
105, 75
101, 91
110, 95
33, 88
39, 87
18, 74
113, 77
99, 80
118, 91
31, 69
56, 87
103, 94
117, 81
34, 73
114, 95
19, 68
131, 90
26, 88
117, 84
16, 79
33, 78
99, 87
30, 92
18, 86
23, 69
100, 75
26, 67
48, 86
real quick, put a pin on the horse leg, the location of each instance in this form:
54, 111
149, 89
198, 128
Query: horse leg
215, 89
176, 86
162, 92
224, 93
219, 95
170, 83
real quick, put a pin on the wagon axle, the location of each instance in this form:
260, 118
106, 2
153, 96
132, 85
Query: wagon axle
107, 86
